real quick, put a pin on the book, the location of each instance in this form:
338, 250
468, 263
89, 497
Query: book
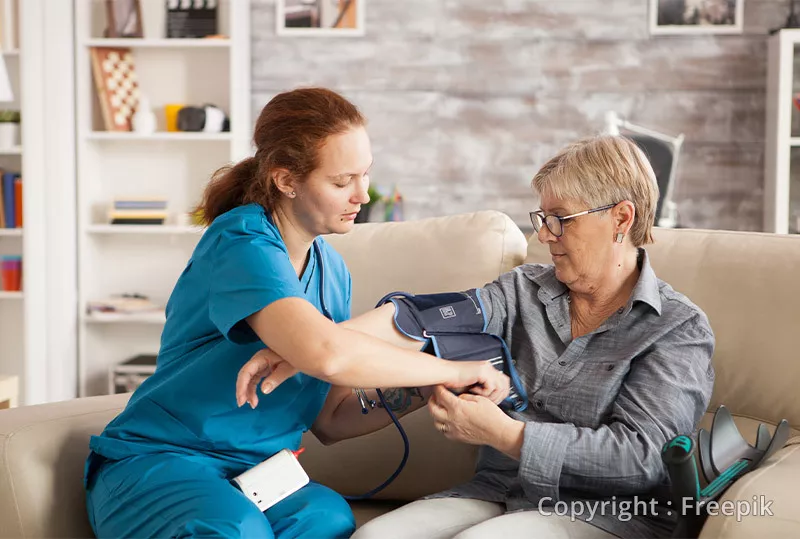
9, 205
2, 202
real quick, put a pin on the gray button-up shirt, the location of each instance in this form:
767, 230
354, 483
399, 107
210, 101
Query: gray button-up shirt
601, 405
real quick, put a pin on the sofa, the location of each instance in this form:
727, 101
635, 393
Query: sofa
747, 283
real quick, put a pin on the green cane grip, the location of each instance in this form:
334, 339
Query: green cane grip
678, 456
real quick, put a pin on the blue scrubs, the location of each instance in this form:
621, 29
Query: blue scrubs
162, 467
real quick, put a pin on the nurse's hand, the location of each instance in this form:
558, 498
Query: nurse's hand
483, 379
265, 364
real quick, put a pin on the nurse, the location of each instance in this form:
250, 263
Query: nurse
163, 466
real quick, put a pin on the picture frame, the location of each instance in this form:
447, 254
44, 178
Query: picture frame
331, 18
124, 19
677, 17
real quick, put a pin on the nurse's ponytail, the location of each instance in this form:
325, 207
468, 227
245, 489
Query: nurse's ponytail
289, 133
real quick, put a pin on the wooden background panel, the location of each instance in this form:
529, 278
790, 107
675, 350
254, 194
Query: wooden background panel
467, 99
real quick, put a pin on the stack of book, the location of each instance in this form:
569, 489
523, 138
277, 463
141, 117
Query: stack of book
138, 212
11, 275
129, 375
10, 200
124, 304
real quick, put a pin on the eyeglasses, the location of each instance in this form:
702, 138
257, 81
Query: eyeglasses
555, 224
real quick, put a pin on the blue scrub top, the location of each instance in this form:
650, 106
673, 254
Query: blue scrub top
188, 405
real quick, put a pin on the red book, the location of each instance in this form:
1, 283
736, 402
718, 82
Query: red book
18, 202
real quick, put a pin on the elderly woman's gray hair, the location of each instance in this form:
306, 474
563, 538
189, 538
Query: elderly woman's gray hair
604, 170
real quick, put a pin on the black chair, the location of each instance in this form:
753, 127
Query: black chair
663, 152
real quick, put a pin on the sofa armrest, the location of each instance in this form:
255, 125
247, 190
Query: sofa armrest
43, 449
777, 482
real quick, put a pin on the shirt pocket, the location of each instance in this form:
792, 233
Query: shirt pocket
590, 395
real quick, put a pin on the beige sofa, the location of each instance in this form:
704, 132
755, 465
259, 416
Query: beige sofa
748, 283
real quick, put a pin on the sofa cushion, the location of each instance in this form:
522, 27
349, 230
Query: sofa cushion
748, 285
42, 451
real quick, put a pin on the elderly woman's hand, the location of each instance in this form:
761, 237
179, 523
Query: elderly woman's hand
469, 418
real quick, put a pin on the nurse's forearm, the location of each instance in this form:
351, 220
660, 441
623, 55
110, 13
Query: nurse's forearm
359, 360
379, 323
349, 355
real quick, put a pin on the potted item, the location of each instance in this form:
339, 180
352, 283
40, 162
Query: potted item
9, 128
374, 198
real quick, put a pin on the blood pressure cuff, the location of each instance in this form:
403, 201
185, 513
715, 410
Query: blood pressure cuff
452, 326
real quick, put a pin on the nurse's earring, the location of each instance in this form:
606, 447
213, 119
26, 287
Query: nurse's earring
620, 237
292, 194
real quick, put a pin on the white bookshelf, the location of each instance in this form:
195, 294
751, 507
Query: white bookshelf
782, 147
12, 304
37, 341
148, 259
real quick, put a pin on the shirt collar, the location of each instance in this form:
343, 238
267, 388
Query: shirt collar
646, 289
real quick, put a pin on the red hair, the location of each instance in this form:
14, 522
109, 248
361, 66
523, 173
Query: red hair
288, 134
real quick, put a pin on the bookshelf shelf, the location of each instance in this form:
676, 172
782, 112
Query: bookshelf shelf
145, 229
11, 295
16, 232
14, 150
174, 43
162, 136
119, 318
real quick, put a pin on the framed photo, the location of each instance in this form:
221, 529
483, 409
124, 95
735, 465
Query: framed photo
320, 17
696, 16
124, 18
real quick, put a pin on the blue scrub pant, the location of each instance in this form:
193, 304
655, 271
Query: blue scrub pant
169, 495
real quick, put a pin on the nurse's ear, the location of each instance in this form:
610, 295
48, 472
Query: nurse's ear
284, 181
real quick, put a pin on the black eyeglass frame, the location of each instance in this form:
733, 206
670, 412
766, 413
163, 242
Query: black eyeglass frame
541, 215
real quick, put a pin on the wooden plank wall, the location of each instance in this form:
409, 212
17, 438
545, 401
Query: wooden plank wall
467, 98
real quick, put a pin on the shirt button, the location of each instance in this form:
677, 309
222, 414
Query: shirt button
562, 363
621, 310
539, 404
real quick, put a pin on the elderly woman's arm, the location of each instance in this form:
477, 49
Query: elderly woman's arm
665, 394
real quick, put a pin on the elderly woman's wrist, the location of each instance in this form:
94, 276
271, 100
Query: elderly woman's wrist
510, 437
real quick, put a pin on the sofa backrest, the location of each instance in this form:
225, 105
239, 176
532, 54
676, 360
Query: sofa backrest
455, 252
430, 255
749, 286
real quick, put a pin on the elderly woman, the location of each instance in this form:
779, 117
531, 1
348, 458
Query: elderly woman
615, 363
